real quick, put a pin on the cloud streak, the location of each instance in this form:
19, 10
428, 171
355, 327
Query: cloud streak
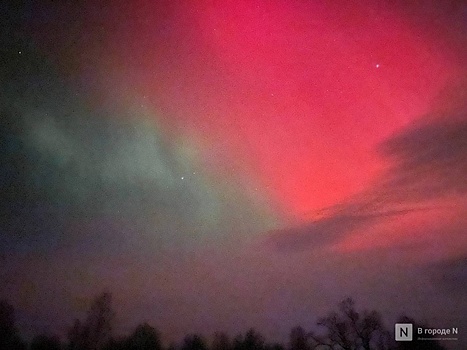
428, 163
430, 160
330, 229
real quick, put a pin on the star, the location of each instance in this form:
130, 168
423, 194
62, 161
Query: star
377, 65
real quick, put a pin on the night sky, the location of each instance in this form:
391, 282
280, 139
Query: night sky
233, 164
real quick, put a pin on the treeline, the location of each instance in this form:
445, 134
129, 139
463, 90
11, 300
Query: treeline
344, 329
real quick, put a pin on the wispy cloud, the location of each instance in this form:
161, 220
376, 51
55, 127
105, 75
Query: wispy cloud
330, 229
429, 160
427, 167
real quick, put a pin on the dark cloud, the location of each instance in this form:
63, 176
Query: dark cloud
328, 230
428, 161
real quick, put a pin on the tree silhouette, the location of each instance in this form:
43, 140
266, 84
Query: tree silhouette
251, 341
274, 346
45, 342
9, 338
144, 337
346, 329
221, 341
96, 330
298, 339
351, 330
75, 336
194, 342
